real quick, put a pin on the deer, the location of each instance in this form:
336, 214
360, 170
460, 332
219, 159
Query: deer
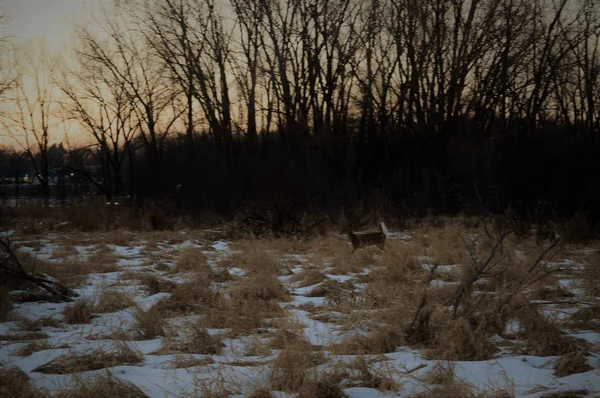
361, 240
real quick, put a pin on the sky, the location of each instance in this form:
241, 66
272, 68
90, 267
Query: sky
50, 22
48, 19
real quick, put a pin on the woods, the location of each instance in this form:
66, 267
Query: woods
286, 107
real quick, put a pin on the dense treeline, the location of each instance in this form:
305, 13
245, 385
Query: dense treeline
279, 107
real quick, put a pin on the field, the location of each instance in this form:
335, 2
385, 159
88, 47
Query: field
450, 308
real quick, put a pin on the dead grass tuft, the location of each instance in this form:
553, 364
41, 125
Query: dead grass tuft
309, 277
352, 263
586, 318
155, 284
261, 393
441, 373
366, 376
260, 286
78, 312
188, 361
106, 385
446, 245
457, 389
23, 336
591, 275
290, 370
283, 338
321, 389
111, 300
330, 246
103, 259
191, 296
149, 324
542, 336
550, 292
36, 325
381, 340
69, 272
14, 383
571, 363
198, 341
567, 394
123, 354
254, 258
192, 259
457, 339
255, 347
34, 346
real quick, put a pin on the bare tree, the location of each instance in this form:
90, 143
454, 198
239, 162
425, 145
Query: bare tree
121, 59
31, 120
190, 39
103, 109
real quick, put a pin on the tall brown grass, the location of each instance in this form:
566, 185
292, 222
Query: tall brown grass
14, 383
105, 385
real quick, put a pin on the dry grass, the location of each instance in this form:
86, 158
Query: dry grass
586, 318
34, 346
321, 389
453, 338
568, 394
591, 275
381, 340
550, 292
242, 323
106, 385
571, 363
260, 286
242, 316
458, 389
192, 259
255, 347
79, 312
23, 336
445, 384
94, 360
153, 284
309, 277
399, 264
188, 361
352, 263
69, 272
197, 341
446, 245
283, 338
119, 238
103, 259
63, 252
260, 393
149, 324
36, 325
365, 376
290, 370
192, 296
331, 245
111, 300
543, 337
329, 289
254, 258
14, 383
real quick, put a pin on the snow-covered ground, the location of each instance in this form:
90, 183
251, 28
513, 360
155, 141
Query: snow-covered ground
232, 370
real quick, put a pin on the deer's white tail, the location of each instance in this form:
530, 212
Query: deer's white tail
384, 229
